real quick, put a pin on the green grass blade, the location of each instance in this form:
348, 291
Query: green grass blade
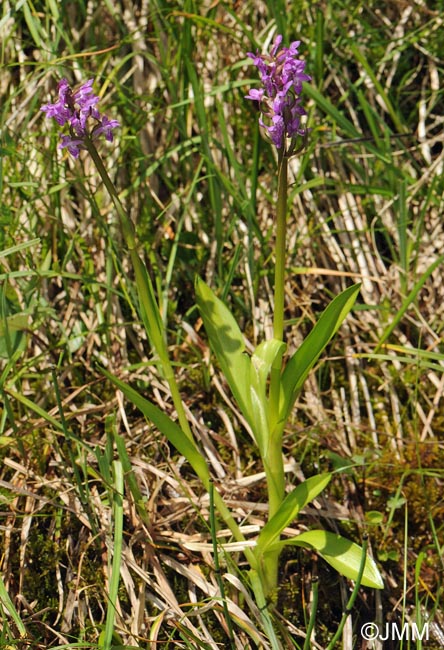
35, 408
7, 603
379, 87
166, 426
417, 360
117, 555
19, 247
403, 233
34, 24
348, 127
217, 570
408, 301
354, 595
214, 188
130, 477
313, 612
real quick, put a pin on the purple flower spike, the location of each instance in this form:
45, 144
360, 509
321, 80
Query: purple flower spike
282, 75
77, 108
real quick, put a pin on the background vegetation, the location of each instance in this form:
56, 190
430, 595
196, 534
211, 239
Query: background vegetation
200, 185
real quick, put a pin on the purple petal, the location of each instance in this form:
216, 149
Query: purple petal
59, 112
64, 91
255, 94
276, 43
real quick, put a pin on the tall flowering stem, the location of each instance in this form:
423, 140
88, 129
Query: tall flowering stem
279, 272
282, 74
281, 231
145, 289
78, 110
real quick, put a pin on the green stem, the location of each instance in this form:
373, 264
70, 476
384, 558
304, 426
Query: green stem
273, 459
274, 452
274, 471
129, 232
313, 611
117, 555
281, 228
150, 309
279, 287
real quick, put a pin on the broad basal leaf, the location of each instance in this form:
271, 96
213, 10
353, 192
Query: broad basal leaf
342, 554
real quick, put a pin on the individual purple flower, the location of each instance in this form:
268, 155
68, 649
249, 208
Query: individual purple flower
255, 94
78, 110
282, 74
73, 144
105, 127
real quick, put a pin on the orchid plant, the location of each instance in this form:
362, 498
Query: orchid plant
265, 384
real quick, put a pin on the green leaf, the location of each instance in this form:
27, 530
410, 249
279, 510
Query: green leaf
260, 367
305, 357
290, 508
14, 323
263, 359
227, 343
184, 446
166, 426
374, 517
9, 606
342, 554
